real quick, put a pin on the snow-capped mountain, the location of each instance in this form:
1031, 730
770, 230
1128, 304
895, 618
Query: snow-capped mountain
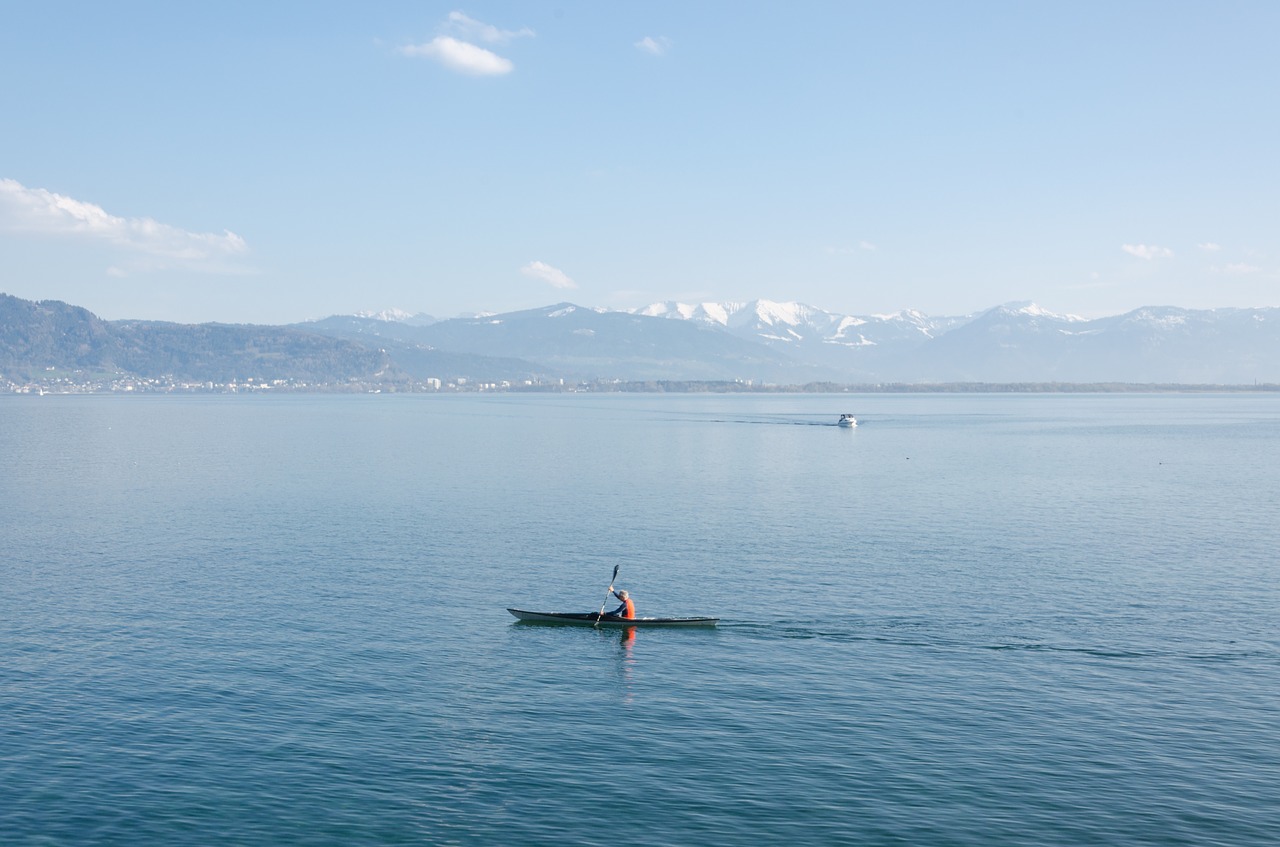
858, 344
789, 323
394, 315
1013, 342
783, 317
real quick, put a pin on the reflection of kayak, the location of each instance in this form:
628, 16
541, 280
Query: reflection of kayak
589, 619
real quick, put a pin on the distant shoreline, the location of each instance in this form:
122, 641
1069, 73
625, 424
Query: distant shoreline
121, 385
960, 388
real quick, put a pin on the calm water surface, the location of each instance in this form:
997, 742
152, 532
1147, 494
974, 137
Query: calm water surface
974, 620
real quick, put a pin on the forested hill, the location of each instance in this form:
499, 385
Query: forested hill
49, 334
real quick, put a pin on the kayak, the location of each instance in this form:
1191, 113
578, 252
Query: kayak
589, 619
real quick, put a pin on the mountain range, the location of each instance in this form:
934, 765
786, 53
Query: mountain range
759, 342
770, 342
1015, 342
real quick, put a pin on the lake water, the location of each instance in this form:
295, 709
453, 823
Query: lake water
973, 620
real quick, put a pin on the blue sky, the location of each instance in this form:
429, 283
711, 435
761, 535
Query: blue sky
273, 162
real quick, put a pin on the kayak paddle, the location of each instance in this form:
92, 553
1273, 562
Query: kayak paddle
607, 592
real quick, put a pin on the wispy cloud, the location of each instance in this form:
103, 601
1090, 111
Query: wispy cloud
1147, 251
1210, 247
37, 210
659, 46
468, 27
554, 277
454, 48
1237, 268
846, 251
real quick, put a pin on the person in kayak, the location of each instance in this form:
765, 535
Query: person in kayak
627, 609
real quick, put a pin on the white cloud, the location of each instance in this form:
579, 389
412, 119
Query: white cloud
1210, 246
469, 27
1238, 268
554, 277
1147, 251
866, 245
37, 210
657, 46
460, 56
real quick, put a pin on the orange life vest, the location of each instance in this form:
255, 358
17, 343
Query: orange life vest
630, 612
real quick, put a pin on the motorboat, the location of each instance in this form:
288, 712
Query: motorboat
847, 421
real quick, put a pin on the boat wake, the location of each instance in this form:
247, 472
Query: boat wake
968, 637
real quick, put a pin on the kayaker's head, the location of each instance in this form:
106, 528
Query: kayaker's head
621, 594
